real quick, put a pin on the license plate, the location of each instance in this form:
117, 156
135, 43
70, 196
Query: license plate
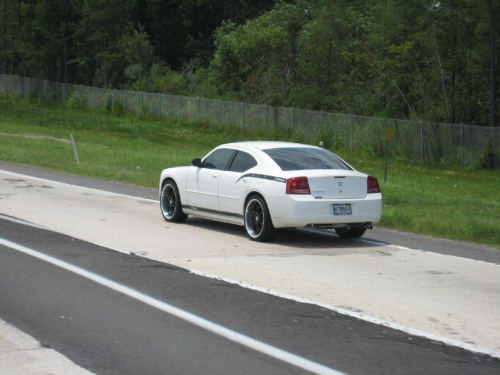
342, 209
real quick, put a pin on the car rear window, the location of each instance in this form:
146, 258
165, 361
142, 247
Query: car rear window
301, 158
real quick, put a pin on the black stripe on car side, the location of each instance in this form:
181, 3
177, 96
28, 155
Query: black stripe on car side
263, 176
213, 212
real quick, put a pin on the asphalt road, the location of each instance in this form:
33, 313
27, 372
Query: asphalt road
108, 332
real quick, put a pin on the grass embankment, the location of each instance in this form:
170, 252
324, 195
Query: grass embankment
454, 203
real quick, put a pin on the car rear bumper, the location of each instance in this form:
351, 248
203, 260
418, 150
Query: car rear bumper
304, 210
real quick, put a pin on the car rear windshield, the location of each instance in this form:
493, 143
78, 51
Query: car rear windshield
301, 158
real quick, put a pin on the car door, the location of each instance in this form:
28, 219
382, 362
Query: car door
234, 182
203, 182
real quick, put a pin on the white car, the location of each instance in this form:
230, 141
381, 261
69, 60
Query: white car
268, 185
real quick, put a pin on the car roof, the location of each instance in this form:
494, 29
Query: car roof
265, 145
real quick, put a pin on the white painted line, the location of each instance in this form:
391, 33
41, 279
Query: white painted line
77, 186
22, 222
400, 327
181, 314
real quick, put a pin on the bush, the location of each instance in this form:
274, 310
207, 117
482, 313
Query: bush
75, 101
489, 159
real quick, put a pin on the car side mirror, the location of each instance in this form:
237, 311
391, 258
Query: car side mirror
196, 163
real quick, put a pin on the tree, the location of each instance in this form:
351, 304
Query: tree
10, 35
256, 61
102, 26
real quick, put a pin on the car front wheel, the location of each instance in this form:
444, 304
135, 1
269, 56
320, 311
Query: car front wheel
258, 222
350, 232
170, 203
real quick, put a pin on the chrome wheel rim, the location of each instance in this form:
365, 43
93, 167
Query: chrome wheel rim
254, 218
168, 199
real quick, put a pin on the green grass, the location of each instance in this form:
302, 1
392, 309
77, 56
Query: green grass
454, 203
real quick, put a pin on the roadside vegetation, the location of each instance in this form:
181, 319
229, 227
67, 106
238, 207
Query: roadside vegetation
433, 61
447, 202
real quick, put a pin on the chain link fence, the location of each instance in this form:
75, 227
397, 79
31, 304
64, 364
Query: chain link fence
465, 145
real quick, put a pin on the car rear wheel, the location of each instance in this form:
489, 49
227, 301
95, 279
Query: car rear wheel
350, 232
258, 222
170, 203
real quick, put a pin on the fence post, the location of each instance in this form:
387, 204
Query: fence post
125, 100
493, 137
199, 111
178, 109
219, 113
352, 131
293, 120
242, 115
265, 114
387, 146
421, 141
461, 144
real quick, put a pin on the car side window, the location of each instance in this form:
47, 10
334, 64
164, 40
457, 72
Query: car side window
219, 159
242, 162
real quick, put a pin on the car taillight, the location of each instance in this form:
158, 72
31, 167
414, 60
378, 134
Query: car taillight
297, 185
373, 185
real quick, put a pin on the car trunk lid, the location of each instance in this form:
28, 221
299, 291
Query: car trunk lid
341, 185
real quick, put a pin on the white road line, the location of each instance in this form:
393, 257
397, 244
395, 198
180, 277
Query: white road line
19, 221
181, 314
358, 315
77, 186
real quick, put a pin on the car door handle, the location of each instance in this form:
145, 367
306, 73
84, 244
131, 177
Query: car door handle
215, 176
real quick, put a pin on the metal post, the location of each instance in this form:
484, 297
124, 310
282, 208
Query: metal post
265, 113
242, 115
74, 149
352, 131
159, 104
219, 113
388, 138
421, 141
199, 111
178, 109
461, 144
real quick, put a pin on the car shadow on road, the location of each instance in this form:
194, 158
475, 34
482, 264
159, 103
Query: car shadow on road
305, 238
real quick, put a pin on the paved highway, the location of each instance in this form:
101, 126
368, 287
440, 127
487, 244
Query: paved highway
106, 329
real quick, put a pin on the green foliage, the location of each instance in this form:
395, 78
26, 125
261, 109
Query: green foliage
434, 61
75, 101
490, 158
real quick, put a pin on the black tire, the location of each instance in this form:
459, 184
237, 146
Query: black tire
258, 223
350, 232
170, 203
